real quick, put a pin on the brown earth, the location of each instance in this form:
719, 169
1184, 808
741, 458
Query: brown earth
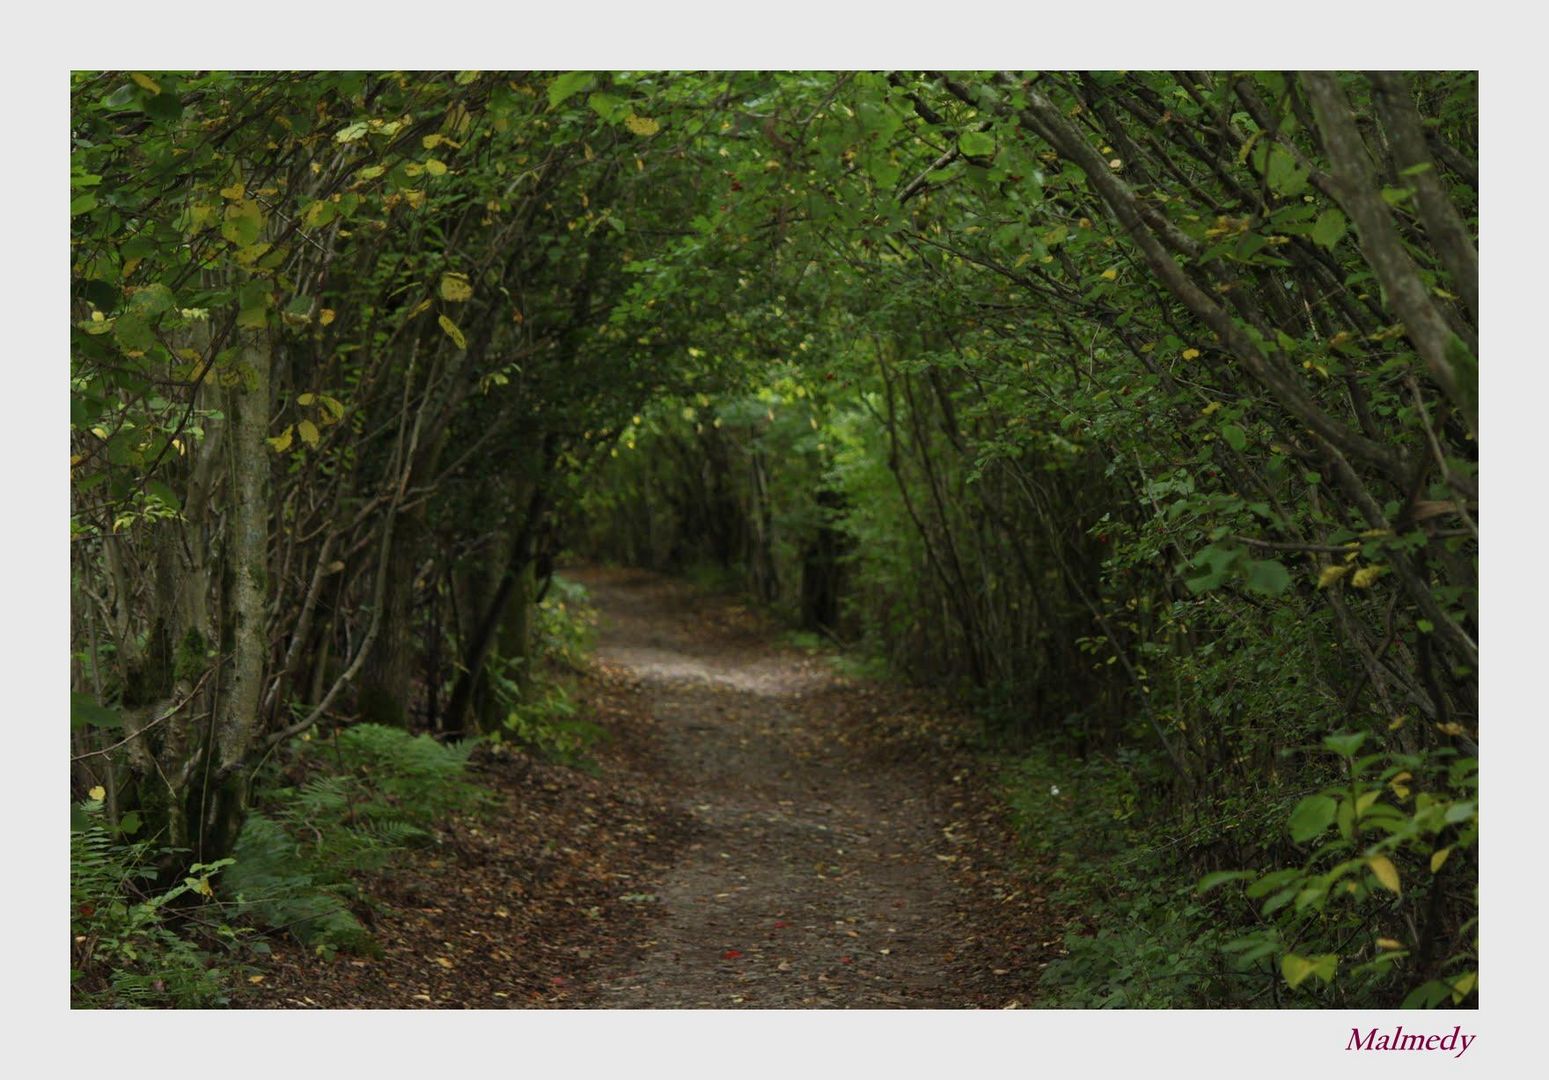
760, 833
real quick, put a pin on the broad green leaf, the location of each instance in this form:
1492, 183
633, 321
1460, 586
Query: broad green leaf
1329, 229
1268, 576
253, 306
568, 85
976, 144
242, 223
85, 712
1345, 745
163, 493
1312, 817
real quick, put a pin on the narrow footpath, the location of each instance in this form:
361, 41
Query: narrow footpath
759, 832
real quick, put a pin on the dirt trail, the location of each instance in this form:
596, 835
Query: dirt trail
755, 832
811, 878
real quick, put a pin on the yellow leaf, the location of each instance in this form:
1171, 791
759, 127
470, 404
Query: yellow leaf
455, 287
145, 82
281, 442
1438, 857
1190, 354
249, 255
1110, 274
308, 432
452, 332
444, 962
420, 308
435, 167
334, 406
1397, 722
430, 142
1399, 784
1330, 574
1385, 872
1389, 943
325, 316
1209, 409
99, 793
641, 125
305, 399
235, 192
1366, 576
255, 979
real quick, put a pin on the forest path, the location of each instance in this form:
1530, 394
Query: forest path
810, 877
755, 831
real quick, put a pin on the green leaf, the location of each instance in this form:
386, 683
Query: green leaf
1345, 745
1221, 877
1297, 969
610, 107
153, 300
1234, 436
243, 222
568, 85
1268, 576
133, 333
976, 144
1312, 817
253, 306
1427, 995
1329, 229
85, 712
163, 493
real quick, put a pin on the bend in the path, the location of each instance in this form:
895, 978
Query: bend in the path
811, 881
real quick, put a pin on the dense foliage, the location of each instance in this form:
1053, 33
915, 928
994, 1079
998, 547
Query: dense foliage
1138, 410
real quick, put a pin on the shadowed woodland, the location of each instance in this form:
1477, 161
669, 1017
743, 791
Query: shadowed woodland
860, 539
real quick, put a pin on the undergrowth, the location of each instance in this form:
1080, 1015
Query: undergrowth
132, 941
364, 795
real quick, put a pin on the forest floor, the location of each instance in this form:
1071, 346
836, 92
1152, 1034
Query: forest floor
756, 831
